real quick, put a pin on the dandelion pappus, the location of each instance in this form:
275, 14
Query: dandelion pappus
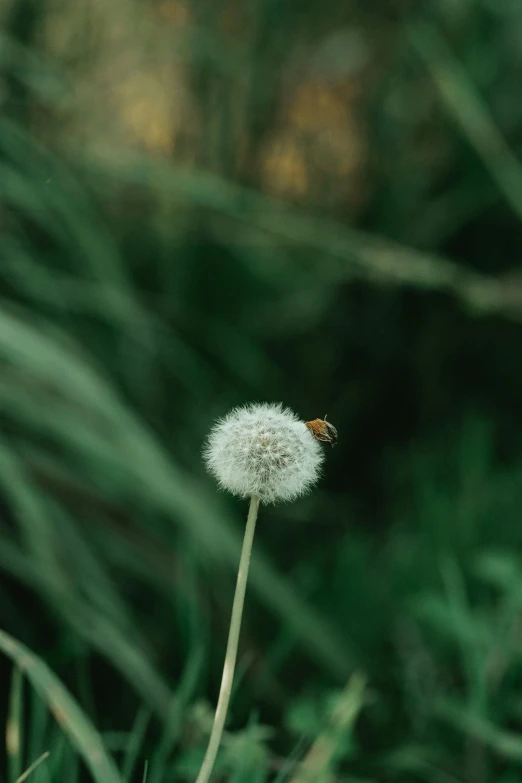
322, 430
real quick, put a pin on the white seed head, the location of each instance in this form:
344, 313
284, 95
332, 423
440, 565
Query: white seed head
265, 450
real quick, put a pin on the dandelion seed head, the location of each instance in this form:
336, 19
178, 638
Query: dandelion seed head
263, 449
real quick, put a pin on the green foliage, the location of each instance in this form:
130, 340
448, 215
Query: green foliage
203, 204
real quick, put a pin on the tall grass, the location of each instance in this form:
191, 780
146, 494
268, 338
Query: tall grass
203, 204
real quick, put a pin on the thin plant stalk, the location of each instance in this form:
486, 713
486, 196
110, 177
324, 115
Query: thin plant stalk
232, 644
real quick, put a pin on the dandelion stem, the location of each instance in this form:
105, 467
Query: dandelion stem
232, 644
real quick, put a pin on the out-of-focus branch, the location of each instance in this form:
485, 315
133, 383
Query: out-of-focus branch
345, 253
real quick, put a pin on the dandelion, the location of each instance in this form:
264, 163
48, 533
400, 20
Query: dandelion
264, 452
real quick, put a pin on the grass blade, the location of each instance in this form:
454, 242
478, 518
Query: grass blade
14, 728
33, 766
65, 709
135, 744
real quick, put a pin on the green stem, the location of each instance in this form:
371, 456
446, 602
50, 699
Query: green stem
233, 639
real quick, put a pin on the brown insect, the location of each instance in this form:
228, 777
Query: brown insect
322, 430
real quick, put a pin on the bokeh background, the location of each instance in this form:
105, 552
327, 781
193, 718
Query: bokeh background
210, 202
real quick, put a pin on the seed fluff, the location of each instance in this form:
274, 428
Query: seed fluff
263, 449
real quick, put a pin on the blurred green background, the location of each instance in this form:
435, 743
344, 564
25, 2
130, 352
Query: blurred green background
211, 202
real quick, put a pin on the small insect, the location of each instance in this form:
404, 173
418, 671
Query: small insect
322, 430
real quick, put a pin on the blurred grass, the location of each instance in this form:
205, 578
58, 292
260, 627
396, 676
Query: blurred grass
64, 709
207, 203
